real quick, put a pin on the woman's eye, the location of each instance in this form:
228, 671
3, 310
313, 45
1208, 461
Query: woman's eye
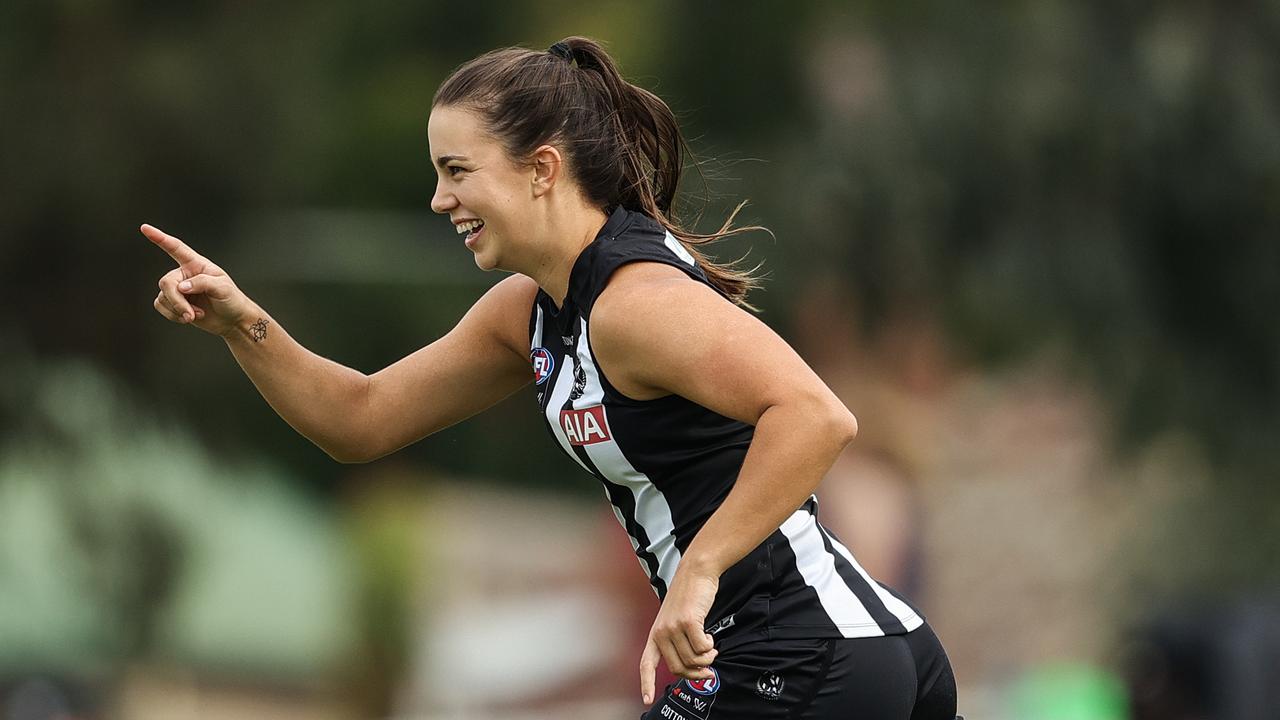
453, 169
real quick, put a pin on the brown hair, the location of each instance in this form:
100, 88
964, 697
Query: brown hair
621, 141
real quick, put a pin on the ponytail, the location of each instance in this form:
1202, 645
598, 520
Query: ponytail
623, 142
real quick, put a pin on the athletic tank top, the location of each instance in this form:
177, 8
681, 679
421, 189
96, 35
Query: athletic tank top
667, 464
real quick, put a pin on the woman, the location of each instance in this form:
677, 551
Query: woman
708, 432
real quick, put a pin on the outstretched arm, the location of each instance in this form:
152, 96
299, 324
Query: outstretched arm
352, 416
655, 332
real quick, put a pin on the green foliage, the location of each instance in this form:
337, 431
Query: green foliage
122, 539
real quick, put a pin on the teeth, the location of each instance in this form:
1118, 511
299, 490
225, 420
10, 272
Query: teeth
467, 227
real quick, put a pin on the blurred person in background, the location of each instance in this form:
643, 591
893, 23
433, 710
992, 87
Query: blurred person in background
706, 429
871, 499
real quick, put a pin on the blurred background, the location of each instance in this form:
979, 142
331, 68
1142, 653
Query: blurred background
1032, 245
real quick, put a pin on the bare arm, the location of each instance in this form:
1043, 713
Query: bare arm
356, 417
655, 332
352, 416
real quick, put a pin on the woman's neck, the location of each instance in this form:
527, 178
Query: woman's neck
562, 245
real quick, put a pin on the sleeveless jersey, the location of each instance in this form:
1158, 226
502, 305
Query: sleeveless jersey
667, 464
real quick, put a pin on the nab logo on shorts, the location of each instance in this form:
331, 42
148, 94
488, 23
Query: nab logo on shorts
543, 364
586, 426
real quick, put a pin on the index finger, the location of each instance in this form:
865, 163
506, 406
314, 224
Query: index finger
648, 671
178, 250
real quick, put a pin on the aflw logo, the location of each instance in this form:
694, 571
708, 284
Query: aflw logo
586, 426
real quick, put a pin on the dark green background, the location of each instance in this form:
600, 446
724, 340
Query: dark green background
1099, 177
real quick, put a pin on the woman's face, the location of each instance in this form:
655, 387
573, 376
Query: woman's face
478, 182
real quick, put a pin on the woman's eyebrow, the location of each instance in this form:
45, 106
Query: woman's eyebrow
444, 159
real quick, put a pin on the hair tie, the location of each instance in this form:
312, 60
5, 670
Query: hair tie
562, 51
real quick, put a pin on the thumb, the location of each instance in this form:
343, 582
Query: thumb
648, 669
216, 288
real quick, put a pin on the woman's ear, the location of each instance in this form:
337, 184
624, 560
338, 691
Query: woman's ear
547, 167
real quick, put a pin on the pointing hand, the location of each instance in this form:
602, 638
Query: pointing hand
197, 292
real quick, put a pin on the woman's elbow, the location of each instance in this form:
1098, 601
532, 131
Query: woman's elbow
346, 456
349, 452
826, 418
842, 425
349, 459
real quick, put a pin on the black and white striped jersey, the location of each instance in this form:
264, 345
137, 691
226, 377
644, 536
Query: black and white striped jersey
667, 464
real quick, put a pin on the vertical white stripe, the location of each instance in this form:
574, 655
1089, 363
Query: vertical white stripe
560, 393
537, 332
652, 511
818, 568
901, 610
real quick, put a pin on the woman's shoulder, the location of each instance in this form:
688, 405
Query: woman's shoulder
514, 292
504, 310
655, 330
648, 291
642, 275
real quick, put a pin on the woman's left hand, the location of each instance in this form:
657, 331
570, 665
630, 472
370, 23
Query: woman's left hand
677, 635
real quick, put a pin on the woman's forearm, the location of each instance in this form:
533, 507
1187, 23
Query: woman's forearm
793, 448
319, 398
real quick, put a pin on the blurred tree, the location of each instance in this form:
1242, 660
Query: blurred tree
1097, 177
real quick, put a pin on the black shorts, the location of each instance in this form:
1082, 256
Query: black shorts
899, 677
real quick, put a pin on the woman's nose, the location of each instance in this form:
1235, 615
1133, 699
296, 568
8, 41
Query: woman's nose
442, 202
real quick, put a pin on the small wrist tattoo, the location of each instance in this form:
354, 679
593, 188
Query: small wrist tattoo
258, 330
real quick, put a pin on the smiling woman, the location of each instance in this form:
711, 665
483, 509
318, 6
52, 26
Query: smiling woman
621, 143
708, 433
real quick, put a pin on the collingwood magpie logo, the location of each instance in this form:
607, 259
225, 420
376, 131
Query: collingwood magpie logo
579, 380
769, 685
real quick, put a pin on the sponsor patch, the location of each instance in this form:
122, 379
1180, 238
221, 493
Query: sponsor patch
668, 711
690, 699
586, 426
543, 364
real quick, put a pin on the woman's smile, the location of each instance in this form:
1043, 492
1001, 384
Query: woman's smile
473, 230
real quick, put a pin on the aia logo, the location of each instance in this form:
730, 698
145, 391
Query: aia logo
586, 426
708, 686
543, 364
